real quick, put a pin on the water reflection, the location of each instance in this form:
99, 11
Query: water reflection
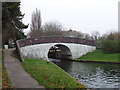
94, 75
64, 64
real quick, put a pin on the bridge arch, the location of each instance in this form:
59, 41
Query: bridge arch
39, 48
60, 51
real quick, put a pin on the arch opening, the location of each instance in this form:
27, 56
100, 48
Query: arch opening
60, 52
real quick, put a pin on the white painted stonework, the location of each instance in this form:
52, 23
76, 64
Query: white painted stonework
40, 51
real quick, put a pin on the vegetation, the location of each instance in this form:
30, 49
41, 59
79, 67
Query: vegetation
50, 75
12, 25
99, 55
35, 27
6, 83
54, 29
0, 69
110, 43
110, 46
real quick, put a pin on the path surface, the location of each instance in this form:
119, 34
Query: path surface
17, 75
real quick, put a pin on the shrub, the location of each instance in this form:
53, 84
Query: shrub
111, 43
110, 46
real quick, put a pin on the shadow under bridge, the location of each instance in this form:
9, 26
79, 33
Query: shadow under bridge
59, 51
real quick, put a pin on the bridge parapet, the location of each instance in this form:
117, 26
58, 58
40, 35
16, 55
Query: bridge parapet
40, 40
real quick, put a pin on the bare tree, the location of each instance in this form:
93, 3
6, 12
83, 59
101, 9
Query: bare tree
52, 29
87, 36
95, 35
72, 33
35, 27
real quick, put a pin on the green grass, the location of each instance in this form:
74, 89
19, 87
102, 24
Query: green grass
50, 75
98, 55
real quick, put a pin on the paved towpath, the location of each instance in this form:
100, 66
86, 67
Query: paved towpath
17, 75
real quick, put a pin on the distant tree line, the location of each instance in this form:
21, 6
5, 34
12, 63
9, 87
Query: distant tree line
55, 29
109, 43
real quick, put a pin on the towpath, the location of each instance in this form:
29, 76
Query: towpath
16, 73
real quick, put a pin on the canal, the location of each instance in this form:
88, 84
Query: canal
94, 75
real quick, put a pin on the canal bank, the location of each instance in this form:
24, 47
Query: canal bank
104, 62
50, 75
94, 74
98, 56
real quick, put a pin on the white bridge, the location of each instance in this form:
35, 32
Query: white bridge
55, 47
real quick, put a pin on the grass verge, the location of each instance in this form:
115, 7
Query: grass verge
99, 55
0, 70
50, 75
6, 83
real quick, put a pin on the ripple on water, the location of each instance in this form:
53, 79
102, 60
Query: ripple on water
94, 75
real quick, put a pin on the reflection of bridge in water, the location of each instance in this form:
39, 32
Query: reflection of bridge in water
55, 47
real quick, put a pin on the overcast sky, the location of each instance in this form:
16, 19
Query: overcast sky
81, 15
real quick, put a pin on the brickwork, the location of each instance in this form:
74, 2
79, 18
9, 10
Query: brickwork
40, 40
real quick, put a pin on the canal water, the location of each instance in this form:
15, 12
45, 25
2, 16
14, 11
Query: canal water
94, 75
